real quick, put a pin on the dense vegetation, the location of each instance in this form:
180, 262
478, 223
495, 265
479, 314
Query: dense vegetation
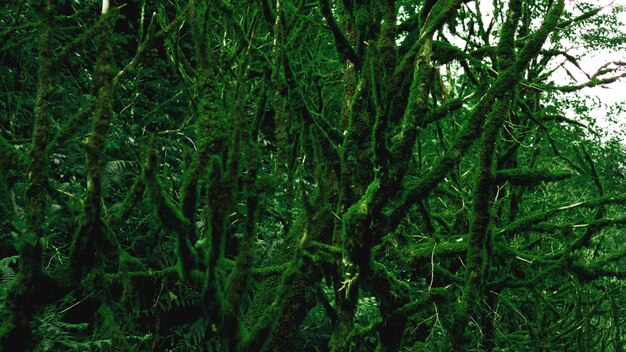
314, 175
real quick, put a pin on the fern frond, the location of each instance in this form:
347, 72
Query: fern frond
117, 166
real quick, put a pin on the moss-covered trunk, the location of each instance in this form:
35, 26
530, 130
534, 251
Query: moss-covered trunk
23, 300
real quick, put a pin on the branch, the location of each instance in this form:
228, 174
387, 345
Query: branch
595, 225
78, 41
409, 25
342, 43
74, 122
561, 118
171, 218
146, 45
264, 328
238, 280
505, 82
437, 16
120, 212
529, 177
586, 237
530, 220
16, 329
593, 82
597, 269
267, 13
442, 111
582, 17
71, 125
92, 244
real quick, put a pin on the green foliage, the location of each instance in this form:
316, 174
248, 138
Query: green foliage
7, 273
309, 176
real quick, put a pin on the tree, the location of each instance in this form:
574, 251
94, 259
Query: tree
392, 176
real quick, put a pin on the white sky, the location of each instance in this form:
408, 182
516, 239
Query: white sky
613, 94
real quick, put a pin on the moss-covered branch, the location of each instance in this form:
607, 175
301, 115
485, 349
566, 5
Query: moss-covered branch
594, 81
526, 222
149, 41
121, 211
22, 302
91, 238
502, 86
343, 45
529, 177
480, 247
594, 225
437, 16
392, 294
170, 216
263, 329
238, 281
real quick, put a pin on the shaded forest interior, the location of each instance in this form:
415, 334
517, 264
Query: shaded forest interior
311, 175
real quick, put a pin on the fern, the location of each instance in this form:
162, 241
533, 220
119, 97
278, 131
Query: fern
57, 335
189, 337
116, 173
118, 166
6, 272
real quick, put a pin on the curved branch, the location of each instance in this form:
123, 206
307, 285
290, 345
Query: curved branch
342, 43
